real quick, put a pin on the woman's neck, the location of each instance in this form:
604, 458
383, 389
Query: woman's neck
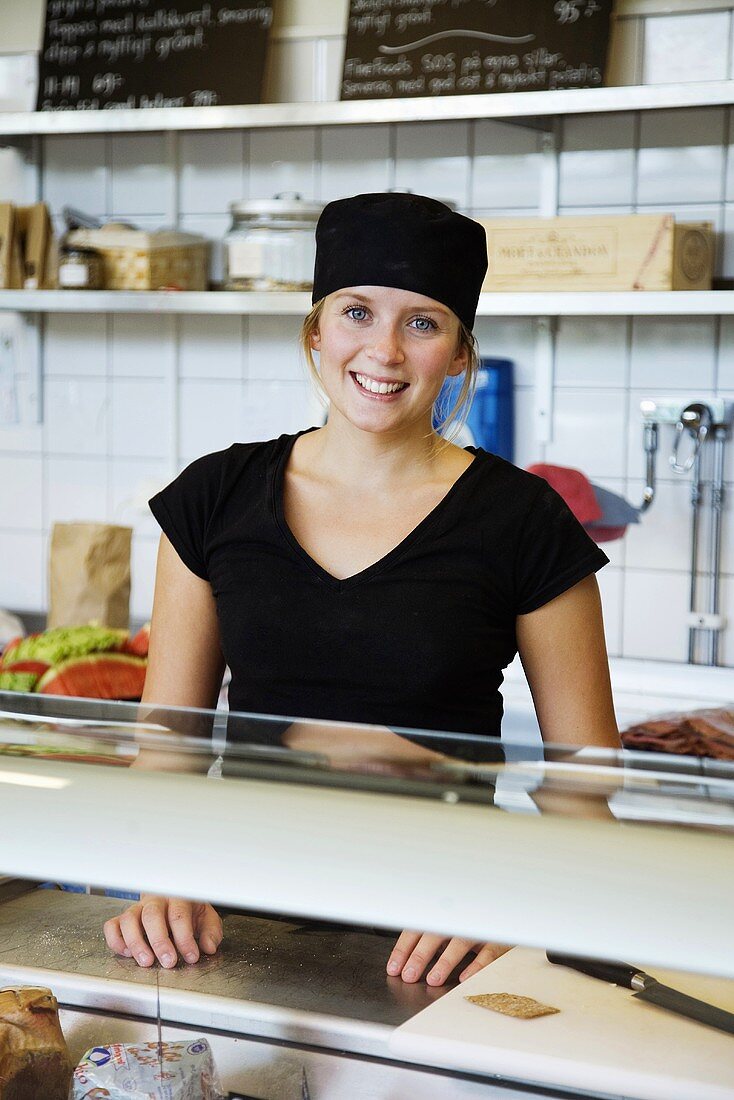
340, 452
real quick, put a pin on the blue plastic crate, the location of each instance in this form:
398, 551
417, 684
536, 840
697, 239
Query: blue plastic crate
491, 419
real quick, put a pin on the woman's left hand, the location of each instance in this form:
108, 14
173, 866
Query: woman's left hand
414, 951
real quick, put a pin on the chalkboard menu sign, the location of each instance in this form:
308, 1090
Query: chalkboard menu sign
108, 54
402, 48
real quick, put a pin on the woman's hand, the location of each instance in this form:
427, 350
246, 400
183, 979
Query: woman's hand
164, 928
414, 951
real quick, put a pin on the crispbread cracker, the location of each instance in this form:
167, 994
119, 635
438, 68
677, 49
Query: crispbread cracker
510, 1004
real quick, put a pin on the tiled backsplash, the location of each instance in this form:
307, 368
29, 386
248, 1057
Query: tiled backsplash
130, 399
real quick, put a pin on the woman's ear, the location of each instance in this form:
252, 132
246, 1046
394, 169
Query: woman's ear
315, 340
460, 361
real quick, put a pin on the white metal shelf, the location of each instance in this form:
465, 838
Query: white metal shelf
507, 304
505, 105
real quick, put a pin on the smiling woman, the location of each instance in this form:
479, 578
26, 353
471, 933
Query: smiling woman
369, 570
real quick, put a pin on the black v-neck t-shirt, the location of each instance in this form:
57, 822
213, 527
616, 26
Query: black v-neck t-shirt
418, 639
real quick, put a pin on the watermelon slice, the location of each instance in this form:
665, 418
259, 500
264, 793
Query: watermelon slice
12, 645
17, 681
139, 644
97, 676
61, 643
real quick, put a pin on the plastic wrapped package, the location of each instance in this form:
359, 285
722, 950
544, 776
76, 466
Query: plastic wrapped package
143, 1071
708, 732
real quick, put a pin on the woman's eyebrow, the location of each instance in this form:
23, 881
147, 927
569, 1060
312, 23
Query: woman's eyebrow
410, 309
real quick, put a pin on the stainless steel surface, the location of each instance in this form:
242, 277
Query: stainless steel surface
650, 445
261, 961
696, 498
701, 303
526, 105
717, 508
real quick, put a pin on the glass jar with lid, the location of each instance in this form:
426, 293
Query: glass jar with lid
271, 244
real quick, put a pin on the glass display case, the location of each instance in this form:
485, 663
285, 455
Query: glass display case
318, 842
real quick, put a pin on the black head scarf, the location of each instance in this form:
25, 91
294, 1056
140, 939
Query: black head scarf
406, 241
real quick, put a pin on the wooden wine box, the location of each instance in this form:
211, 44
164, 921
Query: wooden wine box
598, 252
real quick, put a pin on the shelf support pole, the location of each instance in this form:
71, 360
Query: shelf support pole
545, 358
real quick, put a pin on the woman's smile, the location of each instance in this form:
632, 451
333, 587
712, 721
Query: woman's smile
380, 389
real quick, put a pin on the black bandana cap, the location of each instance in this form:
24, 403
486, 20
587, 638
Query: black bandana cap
405, 241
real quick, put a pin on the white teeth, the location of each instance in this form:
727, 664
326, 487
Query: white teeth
379, 387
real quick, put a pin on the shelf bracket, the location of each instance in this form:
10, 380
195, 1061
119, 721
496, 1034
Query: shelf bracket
545, 362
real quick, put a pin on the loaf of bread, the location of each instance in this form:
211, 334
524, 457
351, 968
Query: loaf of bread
34, 1061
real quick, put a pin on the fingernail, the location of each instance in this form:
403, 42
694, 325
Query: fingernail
191, 957
127, 953
393, 967
167, 960
409, 974
143, 959
434, 976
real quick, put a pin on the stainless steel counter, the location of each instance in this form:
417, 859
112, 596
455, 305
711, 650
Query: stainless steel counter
277, 997
301, 971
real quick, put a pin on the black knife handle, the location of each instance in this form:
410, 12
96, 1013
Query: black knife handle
608, 971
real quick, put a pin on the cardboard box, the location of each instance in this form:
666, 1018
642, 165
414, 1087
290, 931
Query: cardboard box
134, 259
11, 276
26, 247
598, 252
33, 234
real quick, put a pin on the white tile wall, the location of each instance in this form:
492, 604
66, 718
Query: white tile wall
282, 160
505, 167
212, 347
212, 171
672, 353
21, 500
76, 489
681, 156
77, 416
354, 160
142, 418
432, 158
22, 583
109, 438
76, 173
142, 346
687, 47
142, 175
597, 163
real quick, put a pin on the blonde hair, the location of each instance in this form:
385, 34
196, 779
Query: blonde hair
451, 415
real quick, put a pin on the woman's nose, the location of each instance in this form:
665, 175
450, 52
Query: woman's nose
386, 349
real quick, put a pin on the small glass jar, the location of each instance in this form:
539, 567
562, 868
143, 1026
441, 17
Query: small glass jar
80, 269
271, 244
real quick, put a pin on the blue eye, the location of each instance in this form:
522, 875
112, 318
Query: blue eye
353, 311
424, 324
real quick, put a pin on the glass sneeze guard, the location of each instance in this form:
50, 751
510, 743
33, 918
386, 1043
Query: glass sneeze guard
588, 851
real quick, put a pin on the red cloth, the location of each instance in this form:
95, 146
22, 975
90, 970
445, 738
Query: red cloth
605, 534
574, 487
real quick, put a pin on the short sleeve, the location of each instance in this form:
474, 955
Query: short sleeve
185, 507
554, 552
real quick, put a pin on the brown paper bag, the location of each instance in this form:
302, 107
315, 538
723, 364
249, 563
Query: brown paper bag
89, 574
34, 1060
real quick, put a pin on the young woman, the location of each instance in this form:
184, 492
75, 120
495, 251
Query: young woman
367, 570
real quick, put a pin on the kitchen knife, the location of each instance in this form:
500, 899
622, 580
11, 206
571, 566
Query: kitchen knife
648, 988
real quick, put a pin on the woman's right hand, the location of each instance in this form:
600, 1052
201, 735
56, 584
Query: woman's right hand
164, 928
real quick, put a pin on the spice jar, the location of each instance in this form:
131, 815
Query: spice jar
80, 269
271, 244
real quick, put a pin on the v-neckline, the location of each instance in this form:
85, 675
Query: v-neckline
277, 496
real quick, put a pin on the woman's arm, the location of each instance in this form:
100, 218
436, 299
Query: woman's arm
185, 667
185, 663
563, 652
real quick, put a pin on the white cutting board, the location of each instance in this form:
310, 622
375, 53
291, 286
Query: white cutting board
602, 1040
